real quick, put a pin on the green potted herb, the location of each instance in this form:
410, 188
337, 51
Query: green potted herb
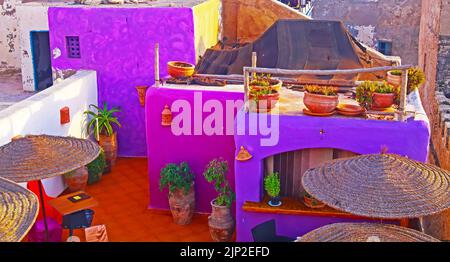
272, 187
102, 123
263, 100
179, 180
416, 77
96, 168
221, 223
375, 95
262, 81
321, 99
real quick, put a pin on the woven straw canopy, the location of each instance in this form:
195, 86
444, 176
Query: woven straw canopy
39, 157
380, 186
18, 211
365, 232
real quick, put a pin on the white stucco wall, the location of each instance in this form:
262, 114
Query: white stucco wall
39, 114
30, 17
9, 36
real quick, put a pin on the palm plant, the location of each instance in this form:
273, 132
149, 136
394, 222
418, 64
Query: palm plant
103, 120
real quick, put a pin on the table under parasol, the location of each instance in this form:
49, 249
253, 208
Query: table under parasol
18, 211
379, 186
36, 157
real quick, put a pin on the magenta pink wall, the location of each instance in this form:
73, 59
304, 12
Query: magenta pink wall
197, 150
118, 43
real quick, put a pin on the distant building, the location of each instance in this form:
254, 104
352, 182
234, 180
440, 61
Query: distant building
386, 25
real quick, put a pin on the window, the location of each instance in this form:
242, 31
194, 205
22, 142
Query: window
73, 46
385, 47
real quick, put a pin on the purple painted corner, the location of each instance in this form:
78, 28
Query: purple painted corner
119, 44
164, 147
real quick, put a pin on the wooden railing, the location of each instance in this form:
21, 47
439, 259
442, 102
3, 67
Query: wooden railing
288, 72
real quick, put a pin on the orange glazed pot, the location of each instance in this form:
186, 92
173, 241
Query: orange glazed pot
178, 69
383, 100
320, 103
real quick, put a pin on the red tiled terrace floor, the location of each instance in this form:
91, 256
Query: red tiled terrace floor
123, 200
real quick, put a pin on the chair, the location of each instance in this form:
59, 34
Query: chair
266, 232
80, 219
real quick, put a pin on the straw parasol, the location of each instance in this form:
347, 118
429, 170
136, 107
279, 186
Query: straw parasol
365, 232
18, 211
380, 186
36, 157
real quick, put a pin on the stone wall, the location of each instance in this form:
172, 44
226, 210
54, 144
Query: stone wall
373, 20
9, 36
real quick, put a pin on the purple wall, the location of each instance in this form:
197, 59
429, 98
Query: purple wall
164, 147
118, 43
357, 135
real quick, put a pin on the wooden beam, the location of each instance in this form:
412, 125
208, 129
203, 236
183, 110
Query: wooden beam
157, 79
403, 93
277, 71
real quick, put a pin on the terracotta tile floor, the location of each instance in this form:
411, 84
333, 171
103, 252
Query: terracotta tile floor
123, 199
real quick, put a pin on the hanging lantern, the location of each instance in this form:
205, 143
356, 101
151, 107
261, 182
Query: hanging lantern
243, 155
141, 93
166, 116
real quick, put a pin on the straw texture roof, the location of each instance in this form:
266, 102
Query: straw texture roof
380, 186
18, 211
39, 157
365, 232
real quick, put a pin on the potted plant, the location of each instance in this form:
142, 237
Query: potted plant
180, 181
263, 100
77, 179
221, 223
375, 95
96, 168
416, 77
321, 99
102, 122
272, 187
262, 81
311, 202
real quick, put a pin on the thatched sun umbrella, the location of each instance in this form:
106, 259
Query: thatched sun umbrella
18, 211
365, 232
34, 157
380, 186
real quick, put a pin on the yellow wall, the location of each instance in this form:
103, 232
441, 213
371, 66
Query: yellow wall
206, 24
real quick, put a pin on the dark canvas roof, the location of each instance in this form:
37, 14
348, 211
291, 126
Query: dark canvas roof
291, 44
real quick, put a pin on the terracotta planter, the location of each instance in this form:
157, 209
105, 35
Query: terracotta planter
109, 145
311, 202
394, 80
264, 103
77, 180
381, 101
179, 69
221, 223
182, 206
320, 103
275, 84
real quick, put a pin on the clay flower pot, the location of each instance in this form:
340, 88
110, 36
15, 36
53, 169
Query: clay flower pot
77, 179
320, 103
141, 94
263, 103
221, 223
109, 145
182, 205
395, 80
179, 69
381, 101
275, 84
